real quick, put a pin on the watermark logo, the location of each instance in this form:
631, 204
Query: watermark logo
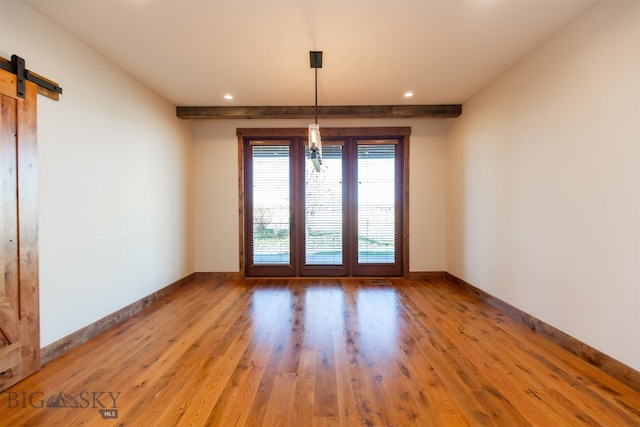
108, 414
106, 402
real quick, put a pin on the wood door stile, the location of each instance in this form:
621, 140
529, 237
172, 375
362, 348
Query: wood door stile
19, 299
335, 352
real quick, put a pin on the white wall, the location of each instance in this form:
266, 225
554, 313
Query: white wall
216, 189
544, 183
115, 183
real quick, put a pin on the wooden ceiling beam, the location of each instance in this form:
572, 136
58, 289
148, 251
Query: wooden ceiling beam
325, 112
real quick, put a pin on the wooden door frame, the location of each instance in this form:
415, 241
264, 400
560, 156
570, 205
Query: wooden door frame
283, 270
320, 270
351, 132
374, 269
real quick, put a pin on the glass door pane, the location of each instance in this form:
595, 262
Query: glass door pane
376, 204
323, 209
271, 241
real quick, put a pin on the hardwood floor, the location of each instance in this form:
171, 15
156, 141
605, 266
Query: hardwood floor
311, 352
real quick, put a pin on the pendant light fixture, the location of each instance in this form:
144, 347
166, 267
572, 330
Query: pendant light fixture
315, 142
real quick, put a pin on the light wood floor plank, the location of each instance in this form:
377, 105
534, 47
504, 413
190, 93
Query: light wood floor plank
319, 352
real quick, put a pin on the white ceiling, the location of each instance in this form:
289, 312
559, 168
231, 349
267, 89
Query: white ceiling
193, 52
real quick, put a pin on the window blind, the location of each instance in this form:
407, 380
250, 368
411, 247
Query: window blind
376, 204
271, 204
323, 208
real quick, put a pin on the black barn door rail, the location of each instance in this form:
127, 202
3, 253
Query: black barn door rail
17, 66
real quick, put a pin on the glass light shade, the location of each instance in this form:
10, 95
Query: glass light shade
315, 142
315, 146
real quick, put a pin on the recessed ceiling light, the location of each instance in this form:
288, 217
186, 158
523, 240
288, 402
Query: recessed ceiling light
228, 97
408, 94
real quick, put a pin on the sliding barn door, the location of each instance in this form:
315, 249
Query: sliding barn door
19, 309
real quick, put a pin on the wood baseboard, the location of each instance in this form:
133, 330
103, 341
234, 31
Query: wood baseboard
207, 275
427, 275
63, 345
618, 370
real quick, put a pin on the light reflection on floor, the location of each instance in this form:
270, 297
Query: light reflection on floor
373, 325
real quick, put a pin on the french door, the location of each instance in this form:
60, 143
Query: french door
344, 220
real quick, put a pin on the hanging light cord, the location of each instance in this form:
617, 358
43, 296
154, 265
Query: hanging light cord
316, 95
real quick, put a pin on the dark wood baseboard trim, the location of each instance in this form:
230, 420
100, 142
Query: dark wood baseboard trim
618, 370
426, 275
63, 345
208, 275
